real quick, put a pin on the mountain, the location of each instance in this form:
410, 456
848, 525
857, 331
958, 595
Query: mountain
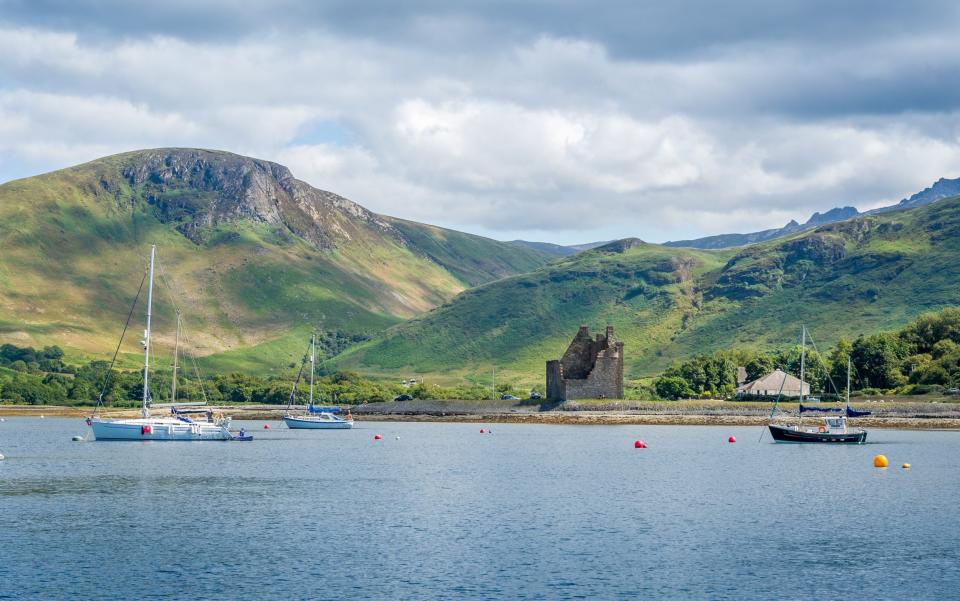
256, 257
589, 245
732, 240
547, 247
942, 188
840, 279
557, 249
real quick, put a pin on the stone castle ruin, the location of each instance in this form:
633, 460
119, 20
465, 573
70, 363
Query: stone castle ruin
590, 369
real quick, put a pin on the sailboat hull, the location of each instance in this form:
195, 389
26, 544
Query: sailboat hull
787, 434
313, 423
151, 429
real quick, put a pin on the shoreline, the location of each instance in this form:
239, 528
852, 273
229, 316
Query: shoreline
368, 413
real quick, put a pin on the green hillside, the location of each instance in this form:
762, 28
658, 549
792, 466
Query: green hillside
871, 273
255, 258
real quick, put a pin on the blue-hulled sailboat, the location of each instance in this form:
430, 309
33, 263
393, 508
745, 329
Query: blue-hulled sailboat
314, 417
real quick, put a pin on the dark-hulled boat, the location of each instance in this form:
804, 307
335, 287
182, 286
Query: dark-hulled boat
832, 429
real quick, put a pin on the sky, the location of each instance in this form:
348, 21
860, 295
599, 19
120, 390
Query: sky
558, 121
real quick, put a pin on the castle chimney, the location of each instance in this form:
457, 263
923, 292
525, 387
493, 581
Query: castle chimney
609, 332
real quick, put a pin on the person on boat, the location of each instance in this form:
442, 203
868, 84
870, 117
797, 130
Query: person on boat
242, 433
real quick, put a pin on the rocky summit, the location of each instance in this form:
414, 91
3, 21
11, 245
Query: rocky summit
199, 189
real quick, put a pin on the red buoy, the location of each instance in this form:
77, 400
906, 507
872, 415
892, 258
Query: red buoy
377, 437
482, 431
266, 426
639, 444
732, 439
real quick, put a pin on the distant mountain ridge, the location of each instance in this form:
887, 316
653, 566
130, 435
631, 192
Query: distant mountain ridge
942, 188
559, 249
547, 247
732, 240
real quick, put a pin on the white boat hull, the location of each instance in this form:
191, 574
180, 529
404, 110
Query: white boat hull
157, 429
316, 423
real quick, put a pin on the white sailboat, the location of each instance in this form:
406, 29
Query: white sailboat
146, 427
314, 418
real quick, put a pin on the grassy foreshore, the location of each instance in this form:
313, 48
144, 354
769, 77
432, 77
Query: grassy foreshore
908, 413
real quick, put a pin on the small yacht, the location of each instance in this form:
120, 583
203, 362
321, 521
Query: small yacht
832, 429
321, 420
314, 418
178, 425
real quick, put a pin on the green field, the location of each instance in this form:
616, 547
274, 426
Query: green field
861, 276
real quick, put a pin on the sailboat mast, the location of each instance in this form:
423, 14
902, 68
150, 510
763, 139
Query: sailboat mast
803, 356
176, 356
313, 354
144, 411
848, 380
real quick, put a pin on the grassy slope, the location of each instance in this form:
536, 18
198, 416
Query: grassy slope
843, 279
75, 244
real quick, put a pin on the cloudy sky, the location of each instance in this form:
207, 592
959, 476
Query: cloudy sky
558, 121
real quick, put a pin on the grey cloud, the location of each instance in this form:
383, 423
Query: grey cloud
703, 117
628, 28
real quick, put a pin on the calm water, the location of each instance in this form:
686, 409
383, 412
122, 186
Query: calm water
529, 512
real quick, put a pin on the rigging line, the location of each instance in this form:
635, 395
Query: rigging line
776, 403
830, 378
106, 377
193, 360
168, 288
196, 370
293, 391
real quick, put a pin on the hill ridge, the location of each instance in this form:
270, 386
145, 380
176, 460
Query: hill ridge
260, 256
866, 274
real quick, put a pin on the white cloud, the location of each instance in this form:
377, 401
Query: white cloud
542, 136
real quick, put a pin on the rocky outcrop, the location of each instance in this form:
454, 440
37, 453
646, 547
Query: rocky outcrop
621, 246
200, 189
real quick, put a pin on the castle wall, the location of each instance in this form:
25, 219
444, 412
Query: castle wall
578, 360
606, 380
556, 390
589, 369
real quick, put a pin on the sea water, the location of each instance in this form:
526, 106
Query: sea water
444, 512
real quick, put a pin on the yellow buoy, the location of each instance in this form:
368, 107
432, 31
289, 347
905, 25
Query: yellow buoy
880, 461
906, 466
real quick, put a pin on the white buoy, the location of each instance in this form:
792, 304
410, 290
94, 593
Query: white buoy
77, 439
398, 438
2, 420
41, 417
2, 457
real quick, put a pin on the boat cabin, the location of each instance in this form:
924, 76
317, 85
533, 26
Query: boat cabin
835, 425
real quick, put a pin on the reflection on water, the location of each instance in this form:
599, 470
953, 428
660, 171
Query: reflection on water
532, 512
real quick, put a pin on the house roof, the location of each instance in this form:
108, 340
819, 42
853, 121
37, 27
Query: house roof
774, 381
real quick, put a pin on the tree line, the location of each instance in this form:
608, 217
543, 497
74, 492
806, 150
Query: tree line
922, 357
41, 377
